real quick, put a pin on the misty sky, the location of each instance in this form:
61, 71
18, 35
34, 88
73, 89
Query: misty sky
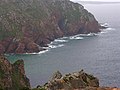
99, 0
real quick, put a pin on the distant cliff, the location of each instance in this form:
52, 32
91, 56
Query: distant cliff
28, 25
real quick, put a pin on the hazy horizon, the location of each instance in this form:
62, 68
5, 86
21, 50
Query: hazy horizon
99, 0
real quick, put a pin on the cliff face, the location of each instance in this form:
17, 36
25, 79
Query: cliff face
12, 76
27, 25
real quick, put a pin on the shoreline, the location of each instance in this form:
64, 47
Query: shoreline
61, 41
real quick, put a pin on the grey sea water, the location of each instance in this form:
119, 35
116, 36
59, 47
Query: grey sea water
98, 55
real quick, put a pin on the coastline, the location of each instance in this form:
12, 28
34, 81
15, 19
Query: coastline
59, 42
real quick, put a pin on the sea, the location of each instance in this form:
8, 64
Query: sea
98, 54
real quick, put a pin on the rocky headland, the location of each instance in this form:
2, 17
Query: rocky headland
28, 25
12, 77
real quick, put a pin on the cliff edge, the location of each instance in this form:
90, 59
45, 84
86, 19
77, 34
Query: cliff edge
28, 25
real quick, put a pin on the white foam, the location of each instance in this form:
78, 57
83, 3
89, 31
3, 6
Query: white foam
55, 46
51, 46
109, 29
61, 45
103, 32
76, 38
41, 52
64, 38
92, 34
44, 51
104, 24
89, 35
60, 40
106, 30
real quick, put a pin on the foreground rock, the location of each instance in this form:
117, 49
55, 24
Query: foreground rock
28, 25
74, 81
12, 76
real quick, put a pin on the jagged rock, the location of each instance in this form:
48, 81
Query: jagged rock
76, 80
19, 78
23, 26
12, 76
56, 75
73, 81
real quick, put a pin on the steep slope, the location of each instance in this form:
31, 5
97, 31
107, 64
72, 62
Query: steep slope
27, 25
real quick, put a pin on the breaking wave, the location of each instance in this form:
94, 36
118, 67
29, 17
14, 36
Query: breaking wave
60, 42
55, 46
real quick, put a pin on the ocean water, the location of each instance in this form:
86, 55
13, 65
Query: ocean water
98, 54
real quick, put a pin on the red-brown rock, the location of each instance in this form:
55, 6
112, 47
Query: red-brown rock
32, 47
20, 48
2, 49
30, 28
11, 47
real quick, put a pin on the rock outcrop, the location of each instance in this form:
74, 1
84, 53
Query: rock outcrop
12, 76
28, 25
76, 80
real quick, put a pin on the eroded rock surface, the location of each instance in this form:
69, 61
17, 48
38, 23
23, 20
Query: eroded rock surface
76, 80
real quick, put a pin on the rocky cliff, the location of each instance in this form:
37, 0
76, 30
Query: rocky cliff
28, 25
12, 76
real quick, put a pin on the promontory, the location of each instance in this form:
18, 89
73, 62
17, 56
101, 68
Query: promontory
28, 25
